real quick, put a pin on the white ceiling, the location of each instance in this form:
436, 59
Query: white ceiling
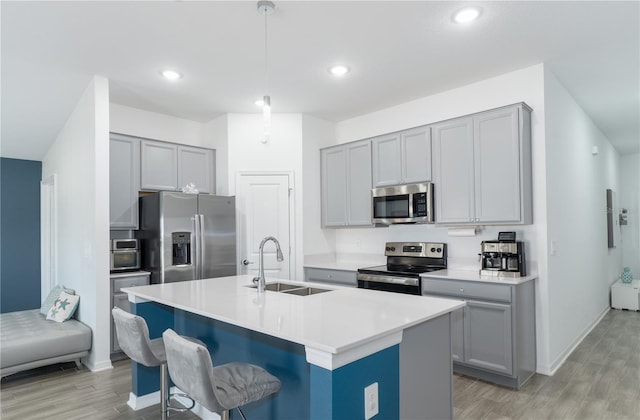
398, 51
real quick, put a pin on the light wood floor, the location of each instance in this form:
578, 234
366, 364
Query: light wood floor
600, 380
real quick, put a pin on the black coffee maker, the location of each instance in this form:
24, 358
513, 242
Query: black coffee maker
504, 257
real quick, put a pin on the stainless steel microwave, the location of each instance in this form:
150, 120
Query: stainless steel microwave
410, 203
125, 254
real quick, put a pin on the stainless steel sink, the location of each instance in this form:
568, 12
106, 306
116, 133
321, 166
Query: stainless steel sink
306, 291
293, 289
278, 287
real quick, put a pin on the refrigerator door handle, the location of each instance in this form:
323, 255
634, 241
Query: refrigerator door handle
196, 240
202, 250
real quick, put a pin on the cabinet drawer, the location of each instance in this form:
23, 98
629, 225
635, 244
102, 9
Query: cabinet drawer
129, 281
331, 276
466, 289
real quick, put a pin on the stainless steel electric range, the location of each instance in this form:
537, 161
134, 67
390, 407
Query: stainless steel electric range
405, 262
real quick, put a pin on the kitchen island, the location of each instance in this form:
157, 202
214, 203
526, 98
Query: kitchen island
326, 348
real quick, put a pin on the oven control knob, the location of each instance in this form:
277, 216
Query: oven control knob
439, 249
433, 250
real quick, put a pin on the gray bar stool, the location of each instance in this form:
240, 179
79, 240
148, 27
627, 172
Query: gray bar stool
133, 338
218, 389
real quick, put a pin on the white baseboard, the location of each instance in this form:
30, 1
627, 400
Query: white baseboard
551, 369
98, 366
198, 410
143, 401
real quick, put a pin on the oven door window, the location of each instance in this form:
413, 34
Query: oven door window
393, 206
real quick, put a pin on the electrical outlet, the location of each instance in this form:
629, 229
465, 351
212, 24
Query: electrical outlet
371, 401
553, 247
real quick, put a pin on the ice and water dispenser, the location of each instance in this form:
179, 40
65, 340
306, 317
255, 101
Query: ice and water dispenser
181, 245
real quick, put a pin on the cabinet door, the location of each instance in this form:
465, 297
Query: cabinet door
387, 162
453, 171
159, 166
416, 155
457, 335
196, 165
359, 184
334, 186
497, 166
124, 181
487, 340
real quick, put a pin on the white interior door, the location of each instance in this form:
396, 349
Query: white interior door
263, 209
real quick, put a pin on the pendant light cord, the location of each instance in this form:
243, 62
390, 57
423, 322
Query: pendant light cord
266, 56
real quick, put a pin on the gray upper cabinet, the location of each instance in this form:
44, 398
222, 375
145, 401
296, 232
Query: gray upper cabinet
482, 168
196, 165
346, 185
416, 155
359, 183
159, 166
169, 167
124, 181
387, 161
453, 171
334, 187
402, 158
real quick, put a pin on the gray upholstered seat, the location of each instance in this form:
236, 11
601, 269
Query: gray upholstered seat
133, 338
218, 389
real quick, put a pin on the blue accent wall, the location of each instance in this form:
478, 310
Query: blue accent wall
19, 234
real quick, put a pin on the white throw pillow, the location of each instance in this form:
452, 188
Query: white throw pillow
64, 307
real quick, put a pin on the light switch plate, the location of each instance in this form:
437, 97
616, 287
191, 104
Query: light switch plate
371, 401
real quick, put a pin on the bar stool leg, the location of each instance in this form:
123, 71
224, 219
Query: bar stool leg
224, 415
164, 390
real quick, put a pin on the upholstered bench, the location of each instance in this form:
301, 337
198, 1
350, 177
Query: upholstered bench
28, 340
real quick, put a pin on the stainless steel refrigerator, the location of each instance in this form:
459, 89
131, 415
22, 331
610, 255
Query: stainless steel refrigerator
187, 236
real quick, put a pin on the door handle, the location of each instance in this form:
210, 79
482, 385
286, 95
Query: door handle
246, 262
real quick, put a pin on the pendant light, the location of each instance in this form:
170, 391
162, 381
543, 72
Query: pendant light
266, 7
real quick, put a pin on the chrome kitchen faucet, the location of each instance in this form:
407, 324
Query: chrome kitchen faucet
260, 280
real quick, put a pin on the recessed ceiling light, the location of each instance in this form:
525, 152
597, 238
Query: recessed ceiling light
466, 15
171, 75
339, 70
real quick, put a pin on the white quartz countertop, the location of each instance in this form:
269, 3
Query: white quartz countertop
332, 322
344, 262
474, 275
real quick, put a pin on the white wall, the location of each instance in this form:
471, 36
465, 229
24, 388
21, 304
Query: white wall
629, 198
282, 153
77, 157
525, 85
583, 268
216, 133
152, 125
316, 134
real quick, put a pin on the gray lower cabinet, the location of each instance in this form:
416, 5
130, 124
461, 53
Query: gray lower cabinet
330, 276
482, 167
120, 299
493, 336
346, 185
124, 181
402, 158
487, 336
